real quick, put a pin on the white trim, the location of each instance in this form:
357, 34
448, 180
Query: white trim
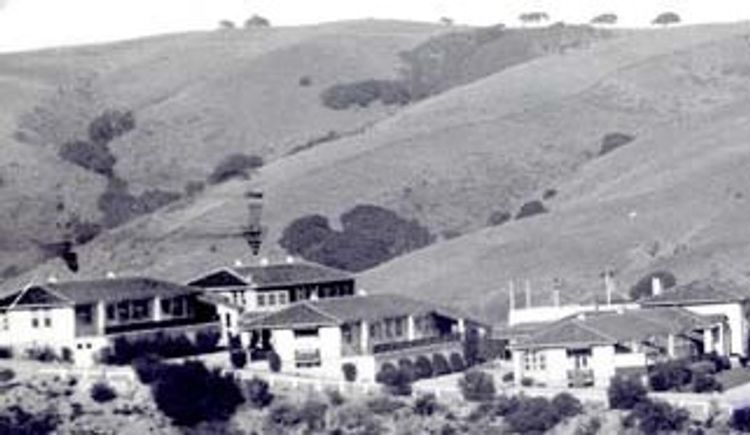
226, 269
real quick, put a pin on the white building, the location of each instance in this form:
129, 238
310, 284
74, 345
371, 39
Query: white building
80, 318
588, 349
317, 337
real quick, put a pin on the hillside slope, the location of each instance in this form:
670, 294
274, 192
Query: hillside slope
490, 145
196, 98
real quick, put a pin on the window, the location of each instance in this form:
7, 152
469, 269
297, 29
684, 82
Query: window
47, 322
311, 332
85, 314
228, 320
376, 331
272, 299
283, 299
346, 333
580, 358
398, 327
533, 361
166, 306
123, 311
141, 309
261, 300
178, 307
34, 322
4, 321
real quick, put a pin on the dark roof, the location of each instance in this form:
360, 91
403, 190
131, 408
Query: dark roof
348, 309
115, 289
610, 328
700, 292
272, 275
277, 275
601, 299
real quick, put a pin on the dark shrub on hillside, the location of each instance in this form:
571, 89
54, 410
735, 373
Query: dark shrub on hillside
257, 21
653, 416
612, 141
285, 416
238, 358
258, 393
6, 352
642, 289
498, 218
477, 386
396, 380
7, 375
313, 414
118, 205
426, 405
234, 166
666, 18
305, 81
423, 367
125, 350
350, 372
457, 362
110, 125
274, 362
669, 375
533, 415
189, 393
364, 93
147, 368
505, 405
42, 354
440, 365
508, 377
407, 366
93, 157
625, 392
306, 234
549, 194
706, 383
531, 208
384, 405
371, 235
15, 420
101, 392
473, 348
605, 19
566, 405
740, 419
194, 187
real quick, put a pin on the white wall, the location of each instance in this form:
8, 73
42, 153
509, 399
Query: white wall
20, 331
520, 316
737, 323
328, 342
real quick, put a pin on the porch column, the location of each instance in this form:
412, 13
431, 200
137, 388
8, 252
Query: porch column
517, 357
411, 332
708, 340
156, 315
364, 337
100, 317
722, 340
670, 346
461, 326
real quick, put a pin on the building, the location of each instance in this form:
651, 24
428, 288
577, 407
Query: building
588, 349
83, 317
711, 297
255, 290
317, 337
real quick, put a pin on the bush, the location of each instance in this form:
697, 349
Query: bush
207, 341
274, 362
102, 392
364, 93
384, 405
605, 19
670, 375
313, 413
612, 141
740, 419
194, 187
350, 372
386, 373
285, 415
457, 362
257, 21
566, 405
527, 382
234, 166
335, 397
477, 386
533, 415
305, 81
7, 375
42, 354
147, 368
238, 357
426, 405
706, 383
110, 125
14, 418
508, 378
397, 380
498, 218
666, 18
652, 416
6, 352
505, 405
189, 394
531, 208
423, 367
625, 392
94, 157
440, 365
258, 393
642, 288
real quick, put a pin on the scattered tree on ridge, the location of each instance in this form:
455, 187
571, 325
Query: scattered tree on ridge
533, 17
666, 18
608, 18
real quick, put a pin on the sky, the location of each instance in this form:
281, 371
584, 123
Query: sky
32, 24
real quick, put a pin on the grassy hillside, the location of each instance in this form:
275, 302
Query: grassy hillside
196, 98
673, 197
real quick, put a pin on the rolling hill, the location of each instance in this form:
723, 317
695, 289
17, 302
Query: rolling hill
484, 142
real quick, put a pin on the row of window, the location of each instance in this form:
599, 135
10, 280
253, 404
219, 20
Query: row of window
534, 361
388, 328
270, 299
135, 310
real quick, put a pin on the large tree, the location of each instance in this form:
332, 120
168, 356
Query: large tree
667, 18
608, 18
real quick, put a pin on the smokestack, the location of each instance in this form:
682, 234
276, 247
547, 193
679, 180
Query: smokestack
253, 231
656, 286
264, 261
111, 275
511, 295
361, 292
289, 259
609, 285
52, 279
238, 263
557, 284
528, 294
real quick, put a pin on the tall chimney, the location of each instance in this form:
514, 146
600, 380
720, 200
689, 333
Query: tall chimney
264, 261
528, 294
511, 295
609, 285
656, 286
557, 284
